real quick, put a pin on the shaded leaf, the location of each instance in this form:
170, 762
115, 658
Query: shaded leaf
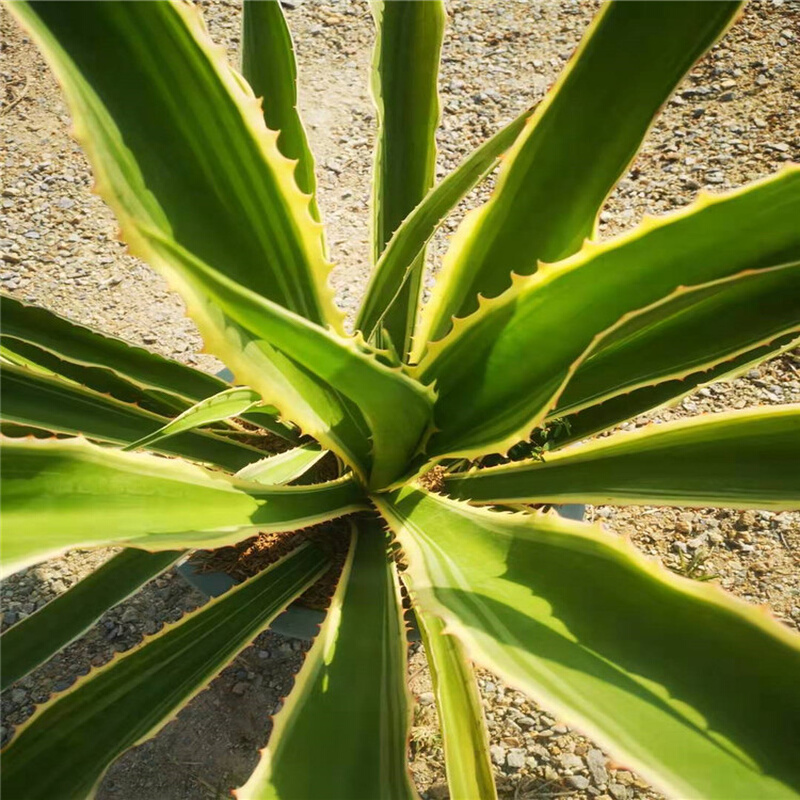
661, 670
464, 735
65, 748
361, 646
59, 494
599, 417
690, 331
405, 70
737, 459
77, 344
51, 403
40, 636
576, 146
549, 321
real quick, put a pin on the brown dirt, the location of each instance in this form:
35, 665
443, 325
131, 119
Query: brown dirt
251, 556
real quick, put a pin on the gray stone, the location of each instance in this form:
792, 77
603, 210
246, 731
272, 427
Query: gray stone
698, 541
18, 696
596, 762
426, 699
239, 688
561, 729
498, 754
578, 782
570, 761
525, 722
620, 791
516, 758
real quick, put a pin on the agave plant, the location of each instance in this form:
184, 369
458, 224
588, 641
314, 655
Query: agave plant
536, 337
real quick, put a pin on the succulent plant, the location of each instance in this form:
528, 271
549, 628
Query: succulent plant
455, 425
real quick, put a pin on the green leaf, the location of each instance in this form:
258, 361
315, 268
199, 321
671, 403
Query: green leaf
361, 646
228, 403
178, 144
335, 388
696, 690
408, 242
690, 331
737, 459
269, 66
295, 365
466, 742
596, 418
76, 344
284, 467
65, 748
111, 366
59, 494
60, 406
267, 418
99, 379
548, 321
576, 146
40, 636
405, 70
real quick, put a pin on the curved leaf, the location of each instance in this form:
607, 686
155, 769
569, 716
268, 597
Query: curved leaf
576, 146
284, 467
405, 70
228, 403
690, 331
110, 365
82, 346
99, 379
512, 358
364, 732
600, 417
59, 494
65, 748
40, 636
466, 742
737, 459
269, 66
393, 268
57, 405
164, 120
323, 379
694, 689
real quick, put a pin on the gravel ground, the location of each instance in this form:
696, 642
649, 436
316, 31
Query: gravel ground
733, 120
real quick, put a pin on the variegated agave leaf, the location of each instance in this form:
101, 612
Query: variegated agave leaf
212, 180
